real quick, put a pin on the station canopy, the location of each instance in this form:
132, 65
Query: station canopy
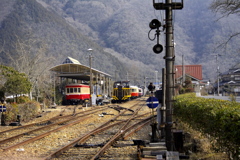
72, 68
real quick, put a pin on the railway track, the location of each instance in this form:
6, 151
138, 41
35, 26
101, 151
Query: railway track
96, 142
67, 137
17, 132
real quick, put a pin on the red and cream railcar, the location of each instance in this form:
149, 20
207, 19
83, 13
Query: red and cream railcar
77, 93
134, 90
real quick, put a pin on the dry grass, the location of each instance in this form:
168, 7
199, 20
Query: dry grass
198, 145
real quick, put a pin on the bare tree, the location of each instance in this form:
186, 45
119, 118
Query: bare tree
226, 7
31, 58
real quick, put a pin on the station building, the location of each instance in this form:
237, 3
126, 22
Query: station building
71, 71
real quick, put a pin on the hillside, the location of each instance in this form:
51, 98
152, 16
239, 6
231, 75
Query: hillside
118, 33
29, 20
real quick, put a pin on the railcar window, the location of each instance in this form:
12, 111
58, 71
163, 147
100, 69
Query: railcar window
71, 90
67, 90
75, 90
79, 90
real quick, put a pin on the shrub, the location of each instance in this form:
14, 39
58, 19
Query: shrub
218, 118
29, 110
23, 99
26, 110
12, 111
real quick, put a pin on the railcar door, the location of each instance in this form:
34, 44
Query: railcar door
120, 92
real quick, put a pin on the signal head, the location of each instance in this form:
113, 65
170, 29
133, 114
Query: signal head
158, 48
155, 24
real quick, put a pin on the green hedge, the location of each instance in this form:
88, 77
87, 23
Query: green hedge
219, 119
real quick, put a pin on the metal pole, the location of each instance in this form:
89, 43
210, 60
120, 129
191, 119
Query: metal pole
183, 71
90, 67
145, 88
218, 80
217, 73
163, 108
91, 92
156, 78
54, 90
217, 76
169, 60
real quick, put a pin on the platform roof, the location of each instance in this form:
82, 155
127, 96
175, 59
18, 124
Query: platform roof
71, 68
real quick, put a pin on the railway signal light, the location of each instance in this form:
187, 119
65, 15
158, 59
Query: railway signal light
156, 24
158, 48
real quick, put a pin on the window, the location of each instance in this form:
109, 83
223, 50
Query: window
226, 79
75, 90
237, 78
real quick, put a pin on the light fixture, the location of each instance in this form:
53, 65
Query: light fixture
154, 24
158, 48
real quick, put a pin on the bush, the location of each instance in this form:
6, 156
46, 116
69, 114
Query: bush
12, 111
29, 110
23, 99
218, 118
26, 110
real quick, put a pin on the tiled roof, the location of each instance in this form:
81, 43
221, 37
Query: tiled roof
191, 70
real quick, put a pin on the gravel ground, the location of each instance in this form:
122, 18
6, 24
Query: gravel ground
33, 150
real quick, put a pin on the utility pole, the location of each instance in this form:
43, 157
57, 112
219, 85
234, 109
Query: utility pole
90, 67
156, 79
183, 71
168, 6
145, 85
217, 73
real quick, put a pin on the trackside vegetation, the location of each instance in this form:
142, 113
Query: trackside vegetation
217, 119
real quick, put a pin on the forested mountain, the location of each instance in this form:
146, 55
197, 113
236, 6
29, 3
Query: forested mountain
117, 31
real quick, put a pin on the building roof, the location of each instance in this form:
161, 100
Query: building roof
194, 71
234, 70
236, 66
72, 68
71, 60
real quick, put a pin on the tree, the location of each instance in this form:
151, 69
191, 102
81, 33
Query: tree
5, 73
13, 82
31, 58
226, 8
17, 84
